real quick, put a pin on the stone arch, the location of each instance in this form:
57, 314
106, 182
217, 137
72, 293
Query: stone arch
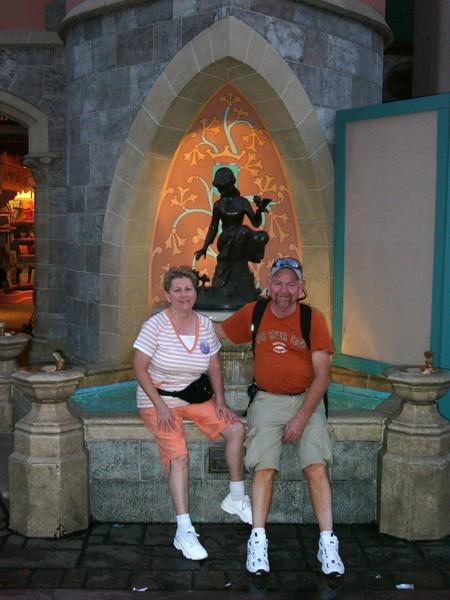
227, 51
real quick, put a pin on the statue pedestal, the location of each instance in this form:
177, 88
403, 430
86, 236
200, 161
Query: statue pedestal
414, 495
48, 467
11, 347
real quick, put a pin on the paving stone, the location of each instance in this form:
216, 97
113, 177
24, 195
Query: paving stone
301, 582
51, 559
177, 563
282, 559
14, 578
158, 534
74, 578
130, 534
396, 557
107, 579
208, 580
13, 542
421, 579
114, 556
162, 580
243, 581
368, 535
47, 544
47, 578
436, 555
374, 579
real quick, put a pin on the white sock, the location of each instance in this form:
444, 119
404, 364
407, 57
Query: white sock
258, 532
237, 490
326, 534
184, 522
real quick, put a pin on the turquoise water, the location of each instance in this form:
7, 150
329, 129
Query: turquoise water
121, 397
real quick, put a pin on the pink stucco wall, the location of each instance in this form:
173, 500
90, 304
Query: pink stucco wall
379, 5
28, 15
22, 15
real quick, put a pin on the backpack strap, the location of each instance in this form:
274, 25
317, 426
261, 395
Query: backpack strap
305, 323
305, 327
258, 311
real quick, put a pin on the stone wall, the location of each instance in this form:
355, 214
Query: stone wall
114, 58
126, 483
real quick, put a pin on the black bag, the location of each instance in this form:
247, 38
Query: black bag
196, 392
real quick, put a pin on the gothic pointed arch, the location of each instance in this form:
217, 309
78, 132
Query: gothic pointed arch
228, 51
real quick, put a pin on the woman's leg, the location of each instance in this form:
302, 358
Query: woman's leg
234, 435
179, 484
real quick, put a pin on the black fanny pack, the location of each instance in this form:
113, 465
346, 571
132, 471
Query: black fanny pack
196, 392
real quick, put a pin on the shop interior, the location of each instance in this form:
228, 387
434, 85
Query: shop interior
17, 237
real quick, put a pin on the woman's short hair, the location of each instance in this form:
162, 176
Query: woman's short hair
176, 273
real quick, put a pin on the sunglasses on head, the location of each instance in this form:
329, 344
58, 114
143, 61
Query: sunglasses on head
287, 262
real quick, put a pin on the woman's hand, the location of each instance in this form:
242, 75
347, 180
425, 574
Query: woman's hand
225, 413
166, 421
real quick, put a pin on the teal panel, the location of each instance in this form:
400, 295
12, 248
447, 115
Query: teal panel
440, 322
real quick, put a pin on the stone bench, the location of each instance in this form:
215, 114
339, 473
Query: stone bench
126, 482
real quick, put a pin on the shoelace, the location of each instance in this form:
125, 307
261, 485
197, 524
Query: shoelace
191, 536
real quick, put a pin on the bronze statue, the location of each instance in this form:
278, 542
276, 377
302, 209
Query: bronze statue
233, 284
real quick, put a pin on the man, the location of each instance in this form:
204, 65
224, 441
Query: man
288, 408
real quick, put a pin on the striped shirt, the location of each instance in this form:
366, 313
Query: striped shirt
172, 366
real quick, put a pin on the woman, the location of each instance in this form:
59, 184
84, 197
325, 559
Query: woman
172, 350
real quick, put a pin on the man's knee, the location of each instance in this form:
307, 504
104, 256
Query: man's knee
315, 472
265, 475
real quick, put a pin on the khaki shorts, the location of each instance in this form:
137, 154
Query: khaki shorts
266, 418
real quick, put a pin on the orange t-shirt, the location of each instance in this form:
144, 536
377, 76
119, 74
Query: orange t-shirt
282, 363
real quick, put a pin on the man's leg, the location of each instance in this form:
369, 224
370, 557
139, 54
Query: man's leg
262, 488
320, 494
258, 545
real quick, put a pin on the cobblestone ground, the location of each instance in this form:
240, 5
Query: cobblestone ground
119, 557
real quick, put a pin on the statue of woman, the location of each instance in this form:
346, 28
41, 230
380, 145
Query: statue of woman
237, 243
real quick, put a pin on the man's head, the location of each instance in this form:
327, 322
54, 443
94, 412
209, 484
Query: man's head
285, 283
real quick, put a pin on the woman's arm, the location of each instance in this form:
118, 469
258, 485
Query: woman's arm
141, 363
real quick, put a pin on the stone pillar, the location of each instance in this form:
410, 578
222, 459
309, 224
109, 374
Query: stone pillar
49, 333
48, 468
414, 493
10, 348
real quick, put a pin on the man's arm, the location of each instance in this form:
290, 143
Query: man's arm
321, 365
219, 331
215, 375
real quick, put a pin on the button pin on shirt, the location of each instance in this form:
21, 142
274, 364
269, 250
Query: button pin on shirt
204, 347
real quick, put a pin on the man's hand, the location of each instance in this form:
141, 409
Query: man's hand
166, 421
293, 429
225, 413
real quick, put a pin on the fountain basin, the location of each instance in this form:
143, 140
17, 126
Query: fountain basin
414, 385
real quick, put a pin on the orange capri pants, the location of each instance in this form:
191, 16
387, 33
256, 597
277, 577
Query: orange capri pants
172, 444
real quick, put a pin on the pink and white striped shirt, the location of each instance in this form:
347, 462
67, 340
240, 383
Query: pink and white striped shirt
173, 366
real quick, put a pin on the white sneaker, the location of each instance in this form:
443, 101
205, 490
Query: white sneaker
328, 555
189, 545
241, 508
258, 556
